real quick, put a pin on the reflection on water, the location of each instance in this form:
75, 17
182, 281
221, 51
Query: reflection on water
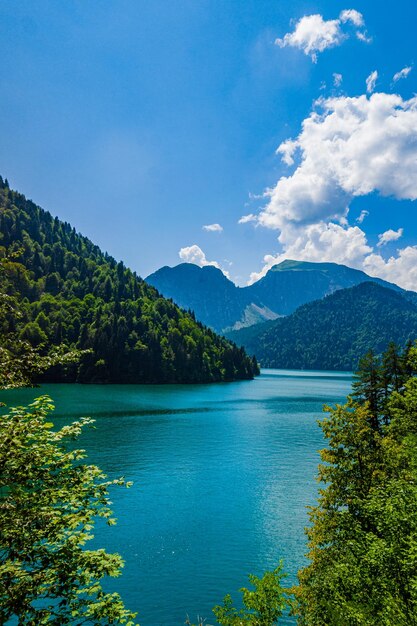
222, 475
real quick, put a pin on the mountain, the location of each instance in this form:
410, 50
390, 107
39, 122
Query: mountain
73, 294
334, 332
217, 302
290, 284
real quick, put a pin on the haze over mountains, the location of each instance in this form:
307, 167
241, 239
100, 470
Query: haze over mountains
223, 306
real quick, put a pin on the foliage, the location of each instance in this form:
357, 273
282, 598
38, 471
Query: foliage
49, 500
263, 605
20, 361
363, 538
333, 333
73, 295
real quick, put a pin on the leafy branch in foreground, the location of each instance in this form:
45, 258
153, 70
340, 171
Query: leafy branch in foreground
263, 605
49, 500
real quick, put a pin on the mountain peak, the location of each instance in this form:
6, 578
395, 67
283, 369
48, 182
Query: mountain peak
292, 264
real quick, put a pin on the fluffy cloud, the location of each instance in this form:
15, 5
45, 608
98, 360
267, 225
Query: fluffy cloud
213, 228
351, 15
389, 235
400, 269
337, 79
194, 254
313, 34
402, 73
347, 245
251, 217
349, 147
371, 81
319, 243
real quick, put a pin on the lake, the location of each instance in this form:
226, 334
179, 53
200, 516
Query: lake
222, 477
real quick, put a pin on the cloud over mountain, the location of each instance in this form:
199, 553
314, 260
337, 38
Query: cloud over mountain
194, 254
348, 147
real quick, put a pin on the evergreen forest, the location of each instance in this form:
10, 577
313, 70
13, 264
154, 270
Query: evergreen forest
334, 332
73, 296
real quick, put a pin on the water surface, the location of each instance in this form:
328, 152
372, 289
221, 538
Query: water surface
222, 477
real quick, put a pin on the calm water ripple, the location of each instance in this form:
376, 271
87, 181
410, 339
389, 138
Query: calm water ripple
222, 477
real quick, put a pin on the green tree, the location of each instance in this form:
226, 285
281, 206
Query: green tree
369, 386
57, 276
263, 605
363, 537
49, 500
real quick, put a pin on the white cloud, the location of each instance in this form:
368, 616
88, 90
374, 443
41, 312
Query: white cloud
351, 15
319, 243
402, 73
347, 148
400, 269
348, 246
350, 147
371, 81
213, 228
194, 254
389, 235
362, 216
251, 217
313, 34
363, 36
337, 79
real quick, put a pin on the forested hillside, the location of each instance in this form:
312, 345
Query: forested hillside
333, 333
72, 294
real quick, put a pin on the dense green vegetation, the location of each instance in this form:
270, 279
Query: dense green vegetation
75, 296
333, 333
363, 537
262, 606
49, 501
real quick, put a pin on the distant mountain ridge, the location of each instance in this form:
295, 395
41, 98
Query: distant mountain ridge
219, 303
334, 332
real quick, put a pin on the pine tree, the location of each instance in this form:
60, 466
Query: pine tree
368, 387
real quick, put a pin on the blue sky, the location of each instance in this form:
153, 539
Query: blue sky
142, 121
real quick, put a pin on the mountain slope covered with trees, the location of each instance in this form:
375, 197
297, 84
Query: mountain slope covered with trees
333, 333
73, 295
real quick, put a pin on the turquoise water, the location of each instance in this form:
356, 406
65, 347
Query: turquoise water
222, 477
